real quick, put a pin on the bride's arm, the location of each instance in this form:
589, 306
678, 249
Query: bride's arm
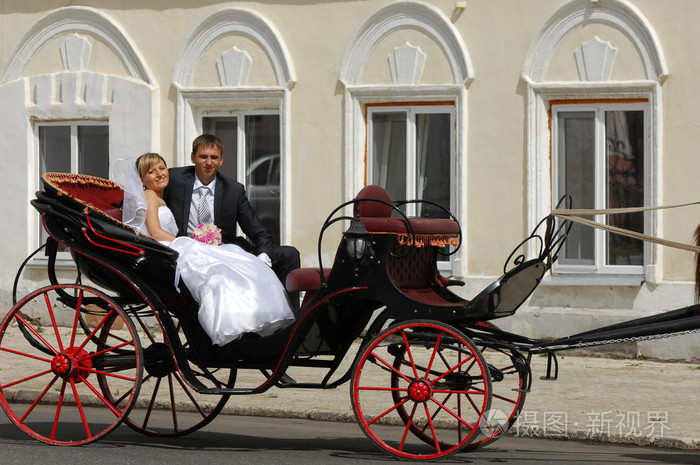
152, 221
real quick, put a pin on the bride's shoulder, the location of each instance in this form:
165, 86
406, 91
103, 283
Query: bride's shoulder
152, 197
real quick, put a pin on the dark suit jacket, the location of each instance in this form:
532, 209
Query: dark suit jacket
231, 208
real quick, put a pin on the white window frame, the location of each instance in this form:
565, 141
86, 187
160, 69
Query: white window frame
241, 166
63, 257
74, 125
600, 268
240, 115
195, 104
411, 150
411, 109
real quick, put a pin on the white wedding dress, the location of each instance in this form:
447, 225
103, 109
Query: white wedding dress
236, 291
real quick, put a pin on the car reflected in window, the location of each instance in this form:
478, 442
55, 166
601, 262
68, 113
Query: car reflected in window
263, 181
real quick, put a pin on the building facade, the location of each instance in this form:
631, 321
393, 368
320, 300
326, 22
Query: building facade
491, 108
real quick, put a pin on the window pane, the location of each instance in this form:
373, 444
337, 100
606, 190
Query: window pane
576, 176
624, 132
433, 163
389, 153
54, 149
93, 150
262, 134
225, 129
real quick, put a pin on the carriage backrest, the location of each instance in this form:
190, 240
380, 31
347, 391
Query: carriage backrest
412, 262
371, 209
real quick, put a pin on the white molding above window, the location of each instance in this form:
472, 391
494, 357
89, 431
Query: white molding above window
79, 20
228, 22
406, 63
406, 15
234, 67
595, 60
619, 14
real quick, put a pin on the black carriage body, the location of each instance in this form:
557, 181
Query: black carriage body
395, 280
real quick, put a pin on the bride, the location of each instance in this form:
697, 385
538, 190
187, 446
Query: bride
237, 292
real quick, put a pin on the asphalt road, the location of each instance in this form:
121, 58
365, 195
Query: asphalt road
258, 440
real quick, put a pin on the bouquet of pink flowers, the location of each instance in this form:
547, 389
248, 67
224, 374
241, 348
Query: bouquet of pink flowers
207, 233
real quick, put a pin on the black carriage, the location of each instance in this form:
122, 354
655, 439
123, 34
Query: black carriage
425, 366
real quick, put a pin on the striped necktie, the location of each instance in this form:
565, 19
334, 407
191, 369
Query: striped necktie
203, 209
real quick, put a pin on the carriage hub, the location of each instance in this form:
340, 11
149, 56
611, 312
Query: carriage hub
419, 391
159, 361
73, 363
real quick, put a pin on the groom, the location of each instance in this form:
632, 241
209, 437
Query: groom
199, 194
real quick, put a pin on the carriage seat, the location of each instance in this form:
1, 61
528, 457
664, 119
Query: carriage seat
306, 279
412, 271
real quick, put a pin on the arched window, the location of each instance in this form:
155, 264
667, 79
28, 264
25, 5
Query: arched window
245, 103
593, 132
405, 74
78, 118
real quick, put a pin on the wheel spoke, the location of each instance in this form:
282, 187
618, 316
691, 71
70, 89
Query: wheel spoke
151, 403
172, 401
80, 409
459, 364
397, 372
407, 429
38, 399
408, 352
432, 428
76, 319
49, 309
59, 406
432, 356
388, 411
189, 394
36, 334
98, 326
23, 380
453, 414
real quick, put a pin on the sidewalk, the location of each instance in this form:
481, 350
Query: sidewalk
611, 400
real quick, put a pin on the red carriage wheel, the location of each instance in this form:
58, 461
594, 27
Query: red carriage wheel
165, 395
421, 376
49, 364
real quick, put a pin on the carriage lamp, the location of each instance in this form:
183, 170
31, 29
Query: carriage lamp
357, 240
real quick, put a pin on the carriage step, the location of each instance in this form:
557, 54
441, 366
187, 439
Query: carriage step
223, 391
286, 380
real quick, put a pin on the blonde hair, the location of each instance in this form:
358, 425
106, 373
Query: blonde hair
146, 161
